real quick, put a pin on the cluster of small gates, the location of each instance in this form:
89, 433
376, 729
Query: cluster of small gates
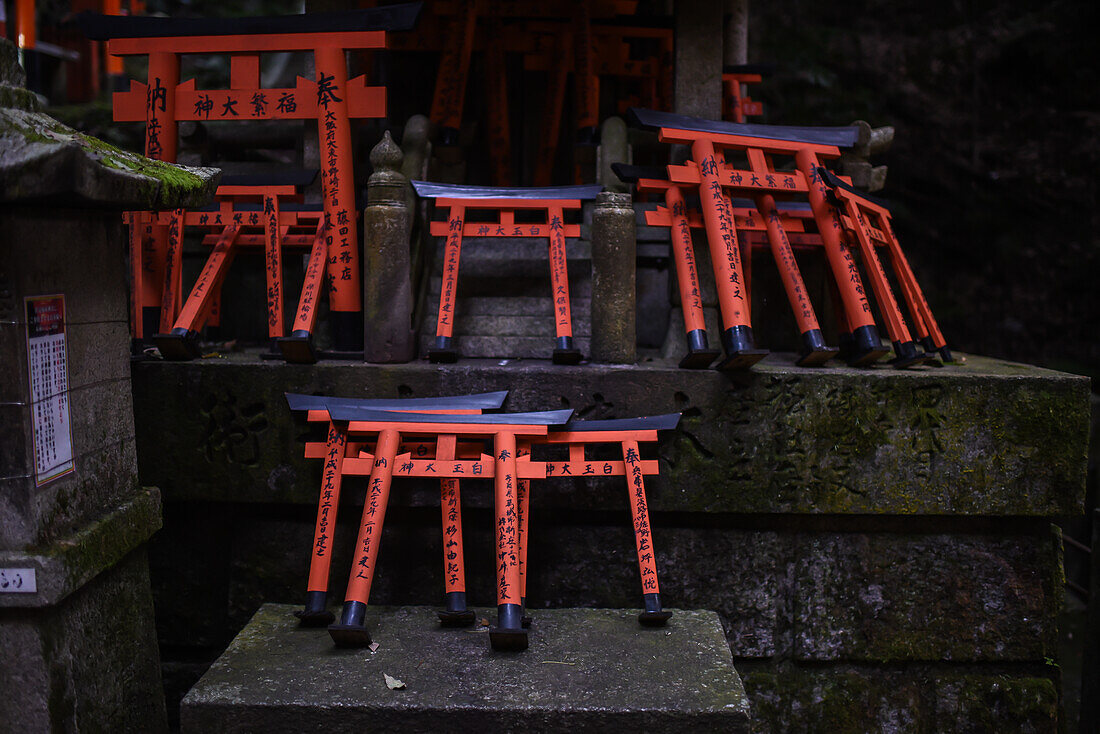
747, 186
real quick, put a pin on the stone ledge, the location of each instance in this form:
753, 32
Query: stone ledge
587, 670
66, 565
984, 438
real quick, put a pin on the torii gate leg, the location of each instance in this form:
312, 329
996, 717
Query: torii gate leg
508, 634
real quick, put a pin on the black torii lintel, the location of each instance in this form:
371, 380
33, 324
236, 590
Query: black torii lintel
430, 190
665, 422
841, 137
484, 401
98, 27
833, 181
541, 418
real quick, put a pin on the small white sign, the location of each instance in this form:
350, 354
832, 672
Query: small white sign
18, 581
48, 359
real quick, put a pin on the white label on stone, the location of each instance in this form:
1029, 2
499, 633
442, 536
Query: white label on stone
18, 581
48, 360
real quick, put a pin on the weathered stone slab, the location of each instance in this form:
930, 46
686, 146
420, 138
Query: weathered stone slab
926, 597
587, 670
854, 700
984, 438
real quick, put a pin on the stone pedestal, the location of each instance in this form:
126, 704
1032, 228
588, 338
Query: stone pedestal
587, 670
876, 542
76, 624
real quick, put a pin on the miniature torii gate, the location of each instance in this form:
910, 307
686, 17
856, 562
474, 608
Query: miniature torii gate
331, 99
553, 202
244, 205
784, 221
337, 449
709, 172
504, 466
868, 219
735, 105
440, 454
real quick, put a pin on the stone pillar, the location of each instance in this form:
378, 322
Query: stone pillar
735, 50
614, 331
78, 643
387, 293
698, 88
614, 148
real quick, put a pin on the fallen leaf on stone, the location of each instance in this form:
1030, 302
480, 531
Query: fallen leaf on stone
392, 683
483, 622
373, 646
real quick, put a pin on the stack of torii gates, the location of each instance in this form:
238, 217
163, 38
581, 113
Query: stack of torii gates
786, 187
447, 438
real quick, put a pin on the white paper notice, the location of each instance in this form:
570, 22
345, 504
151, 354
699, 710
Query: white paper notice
48, 360
18, 581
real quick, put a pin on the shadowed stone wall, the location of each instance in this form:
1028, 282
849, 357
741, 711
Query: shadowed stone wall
876, 542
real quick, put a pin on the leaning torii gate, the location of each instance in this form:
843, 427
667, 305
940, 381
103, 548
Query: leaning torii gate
332, 99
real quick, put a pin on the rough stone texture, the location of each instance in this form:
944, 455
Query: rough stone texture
42, 159
985, 438
85, 664
846, 700
964, 598
586, 670
91, 277
387, 289
698, 89
614, 254
614, 148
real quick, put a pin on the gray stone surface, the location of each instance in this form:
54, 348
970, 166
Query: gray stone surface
698, 63
984, 438
614, 291
387, 288
586, 670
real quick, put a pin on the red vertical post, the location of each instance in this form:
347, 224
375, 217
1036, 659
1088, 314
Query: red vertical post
905, 349
652, 615
737, 337
26, 29
454, 565
555, 104
917, 303
508, 633
454, 67
173, 277
338, 192
500, 135
814, 350
298, 346
862, 345
699, 355
443, 350
564, 350
586, 82
351, 630
316, 613
273, 259
523, 494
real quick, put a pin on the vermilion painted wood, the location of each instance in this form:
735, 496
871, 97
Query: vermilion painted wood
208, 283
173, 259
327, 505
305, 316
735, 106
246, 43
789, 272
273, 260
552, 114
374, 515
454, 67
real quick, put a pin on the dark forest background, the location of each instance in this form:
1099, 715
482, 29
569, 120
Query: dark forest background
993, 172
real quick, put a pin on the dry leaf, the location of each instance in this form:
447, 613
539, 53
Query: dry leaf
392, 683
373, 646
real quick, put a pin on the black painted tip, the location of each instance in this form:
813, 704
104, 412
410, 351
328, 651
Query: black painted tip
442, 356
349, 635
908, 354
699, 360
508, 640
567, 356
654, 619
150, 319
298, 347
311, 618
180, 344
814, 350
347, 330
456, 619
742, 360
863, 347
865, 358
945, 355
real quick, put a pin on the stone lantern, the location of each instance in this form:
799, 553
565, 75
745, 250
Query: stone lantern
76, 615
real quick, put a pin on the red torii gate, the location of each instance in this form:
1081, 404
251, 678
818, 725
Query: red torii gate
711, 175
331, 99
553, 202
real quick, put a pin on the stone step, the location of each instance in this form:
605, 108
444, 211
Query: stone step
586, 670
506, 347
